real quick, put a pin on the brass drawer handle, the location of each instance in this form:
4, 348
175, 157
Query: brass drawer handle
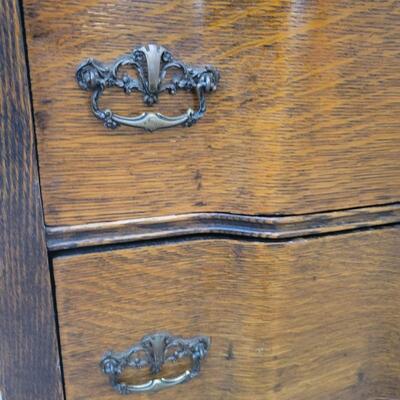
153, 351
151, 63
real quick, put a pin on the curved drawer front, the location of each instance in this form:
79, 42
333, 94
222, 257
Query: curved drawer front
305, 320
305, 118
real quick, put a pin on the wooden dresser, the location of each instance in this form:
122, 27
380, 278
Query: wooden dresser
250, 251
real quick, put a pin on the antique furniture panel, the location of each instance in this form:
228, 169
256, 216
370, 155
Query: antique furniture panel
305, 117
306, 319
251, 254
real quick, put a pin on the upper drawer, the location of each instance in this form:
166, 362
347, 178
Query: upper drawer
306, 116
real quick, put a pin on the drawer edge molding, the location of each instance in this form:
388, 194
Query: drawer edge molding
262, 227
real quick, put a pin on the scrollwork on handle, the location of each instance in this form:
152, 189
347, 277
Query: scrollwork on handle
153, 351
152, 63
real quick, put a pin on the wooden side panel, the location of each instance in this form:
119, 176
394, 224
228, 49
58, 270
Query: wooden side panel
306, 117
29, 364
307, 320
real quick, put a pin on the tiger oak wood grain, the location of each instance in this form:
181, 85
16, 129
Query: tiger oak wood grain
306, 320
29, 362
306, 117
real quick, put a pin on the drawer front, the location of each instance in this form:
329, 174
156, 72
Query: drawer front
306, 320
305, 118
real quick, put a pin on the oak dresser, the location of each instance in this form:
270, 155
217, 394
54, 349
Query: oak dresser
248, 252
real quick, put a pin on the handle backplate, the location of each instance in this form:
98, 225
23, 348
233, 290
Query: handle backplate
153, 351
151, 63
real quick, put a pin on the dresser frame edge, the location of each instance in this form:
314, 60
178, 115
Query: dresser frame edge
29, 358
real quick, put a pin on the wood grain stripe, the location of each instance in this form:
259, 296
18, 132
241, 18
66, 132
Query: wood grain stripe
273, 227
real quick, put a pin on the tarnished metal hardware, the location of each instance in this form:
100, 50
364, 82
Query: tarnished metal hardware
151, 63
153, 351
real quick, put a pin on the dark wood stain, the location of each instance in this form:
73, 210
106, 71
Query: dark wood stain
230, 355
29, 363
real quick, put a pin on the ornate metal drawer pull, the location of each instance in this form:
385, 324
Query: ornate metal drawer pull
151, 63
153, 351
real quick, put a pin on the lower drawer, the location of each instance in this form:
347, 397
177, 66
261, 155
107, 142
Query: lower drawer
307, 319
